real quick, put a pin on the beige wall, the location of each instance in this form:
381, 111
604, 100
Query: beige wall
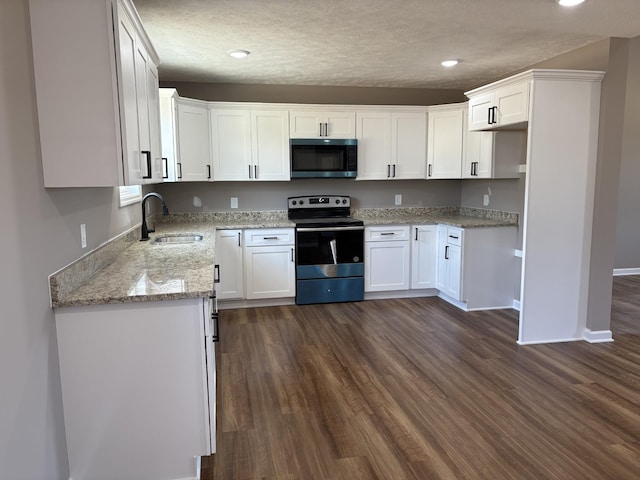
40, 234
628, 220
311, 94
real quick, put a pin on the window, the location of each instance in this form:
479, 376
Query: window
130, 194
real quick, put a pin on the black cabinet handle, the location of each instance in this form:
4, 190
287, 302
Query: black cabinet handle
249, 171
179, 169
452, 236
387, 233
416, 234
216, 274
394, 170
215, 337
388, 170
165, 167
147, 154
208, 171
292, 256
270, 238
429, 171
446, 252
239, 239
255, 172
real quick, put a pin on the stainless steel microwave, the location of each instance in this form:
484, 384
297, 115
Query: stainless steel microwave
324, 158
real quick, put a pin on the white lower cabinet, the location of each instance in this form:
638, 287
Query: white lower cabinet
269, 262
423, 256
450, 261
229, 265
138, 388
387, 258
476, 266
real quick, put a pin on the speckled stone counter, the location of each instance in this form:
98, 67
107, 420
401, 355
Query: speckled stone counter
454, 216
127, 270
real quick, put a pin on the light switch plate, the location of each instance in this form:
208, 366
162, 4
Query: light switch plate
485, 201
398, 199
234, 202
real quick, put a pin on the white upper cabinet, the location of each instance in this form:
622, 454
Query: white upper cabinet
494, 154
409, 144
318, 123
391, 144
503, 106
445, 141
194, 154
169, 133
250, 144
96, 80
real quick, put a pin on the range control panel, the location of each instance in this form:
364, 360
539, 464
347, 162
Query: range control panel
319, 201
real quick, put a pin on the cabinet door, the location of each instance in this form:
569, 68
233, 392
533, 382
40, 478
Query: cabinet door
442, 264
423, 256
305, 123
132, 155
155, 143
513, 104
270, 145
444, 152
454, 272
373, 131
231, 144
409, 143
270, 272
478, 155
479, 110
142, 96
230, 265
386, 266
168, 133
193, 143
340, 124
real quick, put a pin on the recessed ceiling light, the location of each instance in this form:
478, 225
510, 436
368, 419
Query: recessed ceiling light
570, 3
449, 63
238, 53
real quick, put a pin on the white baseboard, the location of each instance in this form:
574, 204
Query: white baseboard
618, 272
426, 292
598, 336
267, 302
550, 340
516, 304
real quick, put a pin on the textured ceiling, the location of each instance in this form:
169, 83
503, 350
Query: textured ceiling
375, 43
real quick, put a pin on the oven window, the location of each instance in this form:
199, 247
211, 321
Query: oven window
323, 248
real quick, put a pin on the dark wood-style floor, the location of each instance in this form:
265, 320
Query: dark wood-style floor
417, 389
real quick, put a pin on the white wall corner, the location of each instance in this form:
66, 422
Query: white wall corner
598, 336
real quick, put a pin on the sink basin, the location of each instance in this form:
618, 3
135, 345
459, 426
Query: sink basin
178, 238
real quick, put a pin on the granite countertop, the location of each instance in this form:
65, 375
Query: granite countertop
150, 271
128, 270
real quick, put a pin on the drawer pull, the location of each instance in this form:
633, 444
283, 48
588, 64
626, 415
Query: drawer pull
387, 233
270, 238
453, 236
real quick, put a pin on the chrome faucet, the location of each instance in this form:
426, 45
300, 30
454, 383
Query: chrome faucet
165, 212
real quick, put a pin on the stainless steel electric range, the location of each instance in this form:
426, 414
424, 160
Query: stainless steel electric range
329, 249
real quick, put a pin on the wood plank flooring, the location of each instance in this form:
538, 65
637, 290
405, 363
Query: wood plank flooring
417, 389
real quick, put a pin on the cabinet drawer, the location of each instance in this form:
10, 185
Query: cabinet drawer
386, 233
454, 236
274, 236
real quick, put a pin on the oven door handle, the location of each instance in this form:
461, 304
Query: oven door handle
328, 229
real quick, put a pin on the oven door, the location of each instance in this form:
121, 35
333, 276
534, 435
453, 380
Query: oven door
329, 252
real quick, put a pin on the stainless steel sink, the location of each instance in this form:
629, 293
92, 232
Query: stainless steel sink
178, 238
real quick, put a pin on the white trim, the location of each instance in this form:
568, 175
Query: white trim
516, 304
425, 292
517, 253
551, 340
598, 336
618, 272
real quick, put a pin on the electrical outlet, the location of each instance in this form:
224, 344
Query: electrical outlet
83, 235
234, 202
485, 201
398, 199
